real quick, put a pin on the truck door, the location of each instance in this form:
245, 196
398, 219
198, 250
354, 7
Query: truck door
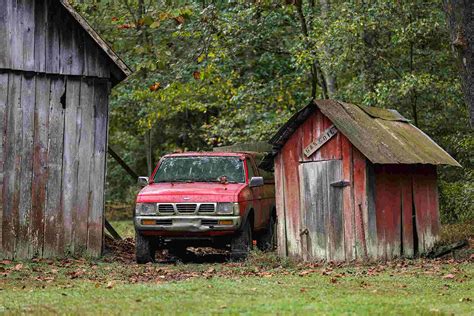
322, 222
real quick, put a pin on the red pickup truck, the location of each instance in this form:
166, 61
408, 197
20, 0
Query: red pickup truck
216, 199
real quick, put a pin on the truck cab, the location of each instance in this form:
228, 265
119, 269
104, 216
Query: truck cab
216, 199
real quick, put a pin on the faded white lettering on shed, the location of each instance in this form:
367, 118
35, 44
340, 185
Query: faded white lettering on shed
318, 143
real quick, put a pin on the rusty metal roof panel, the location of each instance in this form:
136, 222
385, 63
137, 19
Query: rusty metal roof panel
383, 136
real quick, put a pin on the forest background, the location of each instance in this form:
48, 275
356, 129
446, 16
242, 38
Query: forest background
214, 73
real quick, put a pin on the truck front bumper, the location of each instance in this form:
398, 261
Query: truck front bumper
183, 223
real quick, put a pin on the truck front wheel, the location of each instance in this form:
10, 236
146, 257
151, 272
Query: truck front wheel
242, 243
144, 249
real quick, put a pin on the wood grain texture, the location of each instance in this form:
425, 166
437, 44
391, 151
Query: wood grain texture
40, 35
53, 232
280, 192
72, 123
97, 173
11, 166
5, 60
348, 200
28, 34
3, 124
85, 160
28, 90
40, 162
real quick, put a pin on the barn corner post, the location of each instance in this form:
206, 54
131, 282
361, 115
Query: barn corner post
53, 118
355, 183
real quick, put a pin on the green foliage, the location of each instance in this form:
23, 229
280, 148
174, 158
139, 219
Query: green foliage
218, 73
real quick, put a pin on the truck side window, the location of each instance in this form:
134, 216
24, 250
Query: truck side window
250, 168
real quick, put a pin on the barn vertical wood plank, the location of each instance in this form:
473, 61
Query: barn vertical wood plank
16, 39
372, 221
12, 166
77, 49
292, 199
97, 174
360, 203
307, 212
3, 124
52, 38
53, 230
5, 29
26, 168
347, 200
41, 26
425, 198
85, 160
406, 213
28, 34
40, 161
66, 35
72, 121
280, 192
335, 216
91, 58
435, 227
388, 202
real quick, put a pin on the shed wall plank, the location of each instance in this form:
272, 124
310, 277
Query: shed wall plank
12, 162
3, 124
5, 33
360, 204
426, 206
85, 157
53, 232
28, 29
26, 168
52, 38
335, 226
40, 162
280, 206
41, 27
97, 173
291, 157
72, 123
348, 201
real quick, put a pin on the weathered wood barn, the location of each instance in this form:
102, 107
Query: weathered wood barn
55, 78
355, 183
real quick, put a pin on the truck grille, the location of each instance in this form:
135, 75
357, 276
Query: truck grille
207, 208
209, 222
186, 208
165, 208
165, 222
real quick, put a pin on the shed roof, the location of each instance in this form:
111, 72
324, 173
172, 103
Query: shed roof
123, 70
383, 136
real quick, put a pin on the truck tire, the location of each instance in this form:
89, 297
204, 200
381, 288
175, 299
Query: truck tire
242, 243
266, 241
144, 249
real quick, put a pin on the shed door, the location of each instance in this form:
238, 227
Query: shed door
321, 198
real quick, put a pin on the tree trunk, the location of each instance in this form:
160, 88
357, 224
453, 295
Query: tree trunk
317, 76
460, 16
330, 78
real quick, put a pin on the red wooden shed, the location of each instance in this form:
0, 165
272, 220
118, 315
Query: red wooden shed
355, 182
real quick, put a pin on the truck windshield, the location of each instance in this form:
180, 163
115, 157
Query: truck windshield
200, 169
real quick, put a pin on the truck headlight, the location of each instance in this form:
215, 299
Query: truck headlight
145, 209
227, 208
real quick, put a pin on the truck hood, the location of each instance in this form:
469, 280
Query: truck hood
190, 192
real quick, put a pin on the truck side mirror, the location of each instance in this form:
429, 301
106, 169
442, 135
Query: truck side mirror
256, 182
143, 181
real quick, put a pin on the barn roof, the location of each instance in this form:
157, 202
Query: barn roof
123, 70
383, 136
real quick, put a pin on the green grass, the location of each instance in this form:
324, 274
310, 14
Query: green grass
124, 227
259, 286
